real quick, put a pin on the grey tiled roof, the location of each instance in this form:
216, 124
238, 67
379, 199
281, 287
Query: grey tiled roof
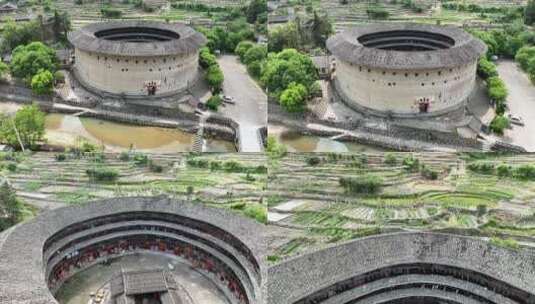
303, 275
345, 46
21, 248
190, 40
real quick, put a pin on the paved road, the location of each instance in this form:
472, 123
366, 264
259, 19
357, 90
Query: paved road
521, 102
250, 110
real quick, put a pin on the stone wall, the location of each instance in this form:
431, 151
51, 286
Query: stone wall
126, 75
398, 91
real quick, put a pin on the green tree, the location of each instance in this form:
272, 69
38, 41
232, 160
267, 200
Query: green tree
242, 48
206, 58
524, 55
294, 97
42, 82
20, 33
285, 37
529, 12
215, 78
321, 29
274, 148
28, 60
486, 69
213, 103
254, 54
4, 70
110, 12
498, 93
10, 206
489, 39
29, 122
255, 8
499, 124
62, 25
286, 67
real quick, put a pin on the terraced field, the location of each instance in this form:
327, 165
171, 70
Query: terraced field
89, 11
308, 206
233, 181
355, 12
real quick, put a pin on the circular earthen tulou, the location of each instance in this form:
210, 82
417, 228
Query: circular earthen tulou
41, 255
136, 58
405, 70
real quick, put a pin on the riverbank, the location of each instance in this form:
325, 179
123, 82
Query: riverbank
161, 136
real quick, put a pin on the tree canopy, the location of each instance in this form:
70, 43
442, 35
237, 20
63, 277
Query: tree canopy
30, 124
529, 12
215, 78
10, 206
242, 48
255, 9
294, 97
286, 67
28, 60
19, 33
42, 82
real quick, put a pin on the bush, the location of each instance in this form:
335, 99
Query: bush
377, 13
197, 163
215, 78
213, 103
109, 12
60, 157
498, 93
411, 164
242, 48
11, 166
499, 124
486, 69
428, 173
141, 159
525, 172
505, 243
504, 170
390, 159
313, 161
294, 97
102, 174
367, 184
42, 83
257, 212
124, 156
207, 59
481, 167
154, 167
87, 147
59, 77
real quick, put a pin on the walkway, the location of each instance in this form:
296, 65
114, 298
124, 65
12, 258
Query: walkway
521, 102
377, 138
250, 110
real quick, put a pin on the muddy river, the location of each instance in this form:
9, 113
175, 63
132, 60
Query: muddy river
66, 130
296, 142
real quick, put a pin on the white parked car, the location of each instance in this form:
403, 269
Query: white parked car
228, 99
516, 120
